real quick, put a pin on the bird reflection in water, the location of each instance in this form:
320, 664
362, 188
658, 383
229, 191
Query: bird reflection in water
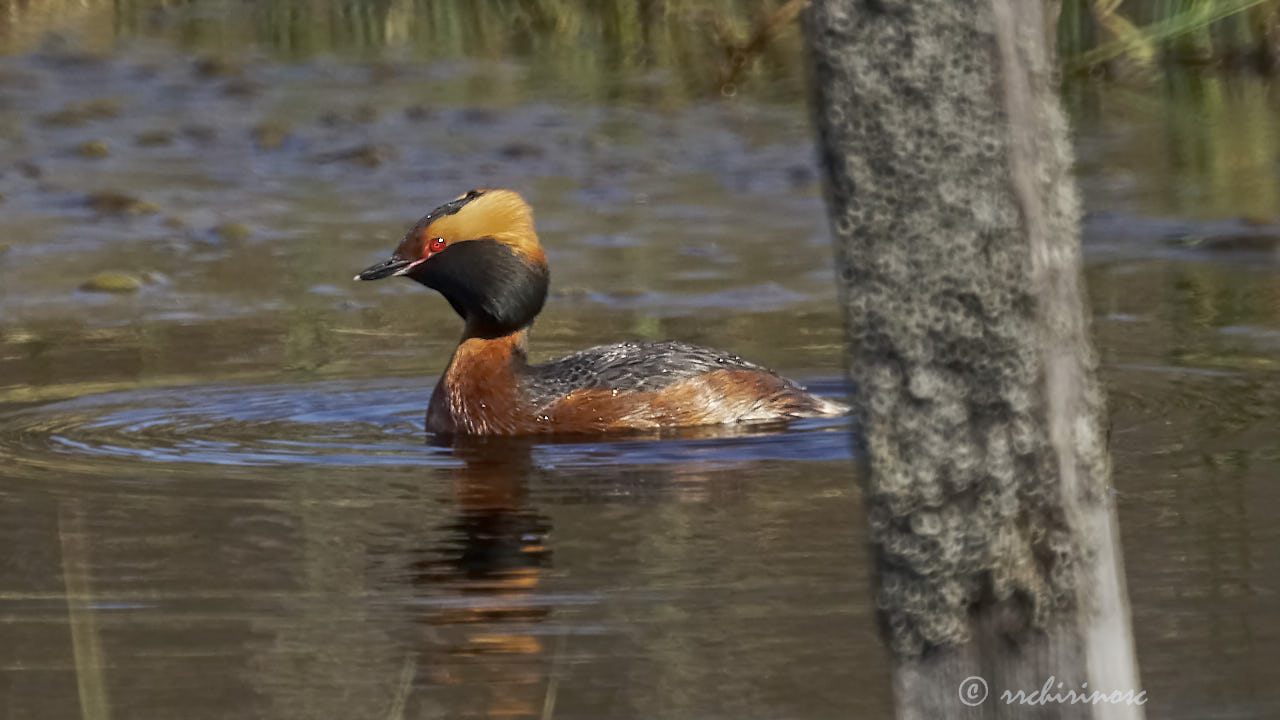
483, 638
491, 648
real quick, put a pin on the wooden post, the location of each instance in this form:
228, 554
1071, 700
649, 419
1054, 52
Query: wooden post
981, 422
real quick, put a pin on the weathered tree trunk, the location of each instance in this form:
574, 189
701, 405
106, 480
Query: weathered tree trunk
947, 162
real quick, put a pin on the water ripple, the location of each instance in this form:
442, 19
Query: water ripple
339, 423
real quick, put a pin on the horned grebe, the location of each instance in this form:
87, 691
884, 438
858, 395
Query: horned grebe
480, 251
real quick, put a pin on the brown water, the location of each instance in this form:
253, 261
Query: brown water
216, 502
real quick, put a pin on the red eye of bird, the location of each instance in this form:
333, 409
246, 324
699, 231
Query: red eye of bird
436, 245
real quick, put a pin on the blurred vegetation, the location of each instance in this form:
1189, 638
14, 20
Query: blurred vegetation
701, 46
1122, 36
704, 44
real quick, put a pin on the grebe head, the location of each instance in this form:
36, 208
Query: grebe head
479, 251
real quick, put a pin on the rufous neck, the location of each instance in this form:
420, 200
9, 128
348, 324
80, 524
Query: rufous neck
517, 339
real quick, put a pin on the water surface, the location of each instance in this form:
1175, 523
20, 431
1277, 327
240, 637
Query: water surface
217, 489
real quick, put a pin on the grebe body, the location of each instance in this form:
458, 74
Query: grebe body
480, 251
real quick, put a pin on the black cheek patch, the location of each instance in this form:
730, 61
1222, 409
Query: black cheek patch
496, 290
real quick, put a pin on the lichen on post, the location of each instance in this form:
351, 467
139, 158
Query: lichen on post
981, 423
